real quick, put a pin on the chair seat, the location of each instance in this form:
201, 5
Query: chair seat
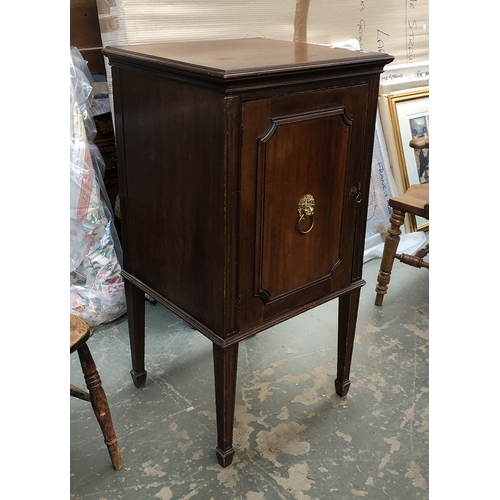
415, 200
79, 332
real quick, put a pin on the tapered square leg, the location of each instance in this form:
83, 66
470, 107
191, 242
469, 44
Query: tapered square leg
348, 313
225, 371
136, 329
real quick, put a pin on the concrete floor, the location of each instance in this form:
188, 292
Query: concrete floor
294, 437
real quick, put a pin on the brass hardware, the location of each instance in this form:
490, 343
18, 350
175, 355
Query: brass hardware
357, 193
305, 209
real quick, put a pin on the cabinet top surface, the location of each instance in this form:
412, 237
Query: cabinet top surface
232, 58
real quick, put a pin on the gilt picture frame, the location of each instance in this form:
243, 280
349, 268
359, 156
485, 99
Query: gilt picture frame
409, 114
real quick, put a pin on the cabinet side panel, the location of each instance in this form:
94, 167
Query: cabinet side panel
172, 157
364, 176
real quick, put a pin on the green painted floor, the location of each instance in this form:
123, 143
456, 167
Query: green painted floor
294, 437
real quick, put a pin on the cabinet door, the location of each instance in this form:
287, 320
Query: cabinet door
304, 144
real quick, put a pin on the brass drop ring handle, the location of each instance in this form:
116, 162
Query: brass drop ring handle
305, 209
301, 218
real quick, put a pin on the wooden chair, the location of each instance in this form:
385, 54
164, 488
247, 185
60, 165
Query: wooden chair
79, 334
414, 201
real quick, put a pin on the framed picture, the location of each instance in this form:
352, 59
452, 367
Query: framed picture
409, 115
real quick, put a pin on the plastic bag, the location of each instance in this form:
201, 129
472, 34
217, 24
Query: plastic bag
97, 291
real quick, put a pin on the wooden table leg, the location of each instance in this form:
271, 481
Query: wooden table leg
100, 405
225, 370
136, 329
390, 247
348, 313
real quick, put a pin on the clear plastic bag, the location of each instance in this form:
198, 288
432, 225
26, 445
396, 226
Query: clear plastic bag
97, 291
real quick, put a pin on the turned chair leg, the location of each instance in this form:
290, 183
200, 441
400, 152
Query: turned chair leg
390, 247
100, 405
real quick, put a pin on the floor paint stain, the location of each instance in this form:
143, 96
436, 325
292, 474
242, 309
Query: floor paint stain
376, 329
254, 496
297, 482
243, 418
190, 495
211, 415
152, 470
358, 493
164, 494
282, 438
227, 477
283, 415
423, 334
395, 446
415, 474
347, 438
397, 389
322, 376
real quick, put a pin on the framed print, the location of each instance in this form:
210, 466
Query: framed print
409, 115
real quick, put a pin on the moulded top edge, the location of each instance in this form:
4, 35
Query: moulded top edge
227, 59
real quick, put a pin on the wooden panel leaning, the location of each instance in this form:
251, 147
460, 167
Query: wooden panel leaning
414, 201
79, 334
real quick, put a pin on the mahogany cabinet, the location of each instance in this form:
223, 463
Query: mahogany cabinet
244, 170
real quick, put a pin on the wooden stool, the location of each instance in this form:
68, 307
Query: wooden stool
414, 201
79, 334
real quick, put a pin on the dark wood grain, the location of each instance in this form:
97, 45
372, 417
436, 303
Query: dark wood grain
85, 33
217, 142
